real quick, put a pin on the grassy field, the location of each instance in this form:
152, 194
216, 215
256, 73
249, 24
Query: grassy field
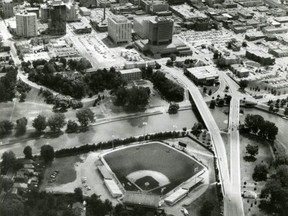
209, 195
66, 174
247, 169
157, 157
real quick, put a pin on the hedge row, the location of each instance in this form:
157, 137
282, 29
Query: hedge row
117, 142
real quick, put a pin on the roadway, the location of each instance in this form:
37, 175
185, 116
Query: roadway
232, 205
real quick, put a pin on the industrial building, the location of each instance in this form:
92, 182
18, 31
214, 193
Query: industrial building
205, 75
26, 24
119, 29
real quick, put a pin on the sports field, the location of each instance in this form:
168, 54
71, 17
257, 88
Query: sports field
151, 167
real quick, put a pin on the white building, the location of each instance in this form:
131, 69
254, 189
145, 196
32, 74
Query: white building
26, 25
71, 13
120, 29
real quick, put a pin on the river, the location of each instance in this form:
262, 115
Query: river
282, 124
104, 132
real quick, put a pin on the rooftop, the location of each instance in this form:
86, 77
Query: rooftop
135, 198
203, 72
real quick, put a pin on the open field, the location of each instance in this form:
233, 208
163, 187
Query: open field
247, 169
177, 167
66, 169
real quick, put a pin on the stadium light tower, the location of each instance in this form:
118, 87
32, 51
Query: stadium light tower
144, 125
113, 137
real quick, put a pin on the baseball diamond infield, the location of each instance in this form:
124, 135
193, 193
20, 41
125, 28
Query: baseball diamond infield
153, 167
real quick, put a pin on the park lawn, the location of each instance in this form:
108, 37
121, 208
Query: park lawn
66, 169
247, 168
209, 195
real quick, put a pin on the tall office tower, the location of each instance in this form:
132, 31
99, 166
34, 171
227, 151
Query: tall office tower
44, 13
57, 18
7, 7
26, 24
71, 14
160, 31
120, 29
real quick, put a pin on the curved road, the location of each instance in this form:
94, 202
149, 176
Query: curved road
232, 205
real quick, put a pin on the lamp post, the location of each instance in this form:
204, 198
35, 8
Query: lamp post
144, 125
175, 128
113, 137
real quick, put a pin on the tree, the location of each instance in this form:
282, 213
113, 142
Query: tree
63, 61
6, 183
39, 123
5, 127
260, 172
72, 127
216, 55
21, 125
212, 104
85, 115
78, 194
210, 92
282, 175
12, 206
206, 208
173, 57
243, 84
22, 97
8, 161
28, 152
252, 150
286, 111
244, 44
56, 122
47, 153
197, 128
173, 108
221, 102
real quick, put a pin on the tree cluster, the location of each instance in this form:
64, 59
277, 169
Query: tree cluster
260, 172
77, 86
173, 108
258, 125
275, 193
6, 127
60, 103
169, 89
8, 85
23, 89
133, 99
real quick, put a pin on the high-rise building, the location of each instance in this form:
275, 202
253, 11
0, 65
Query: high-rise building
7, 7
120, 29
160, 31
26, 24
57, 18
71, 14
44, 13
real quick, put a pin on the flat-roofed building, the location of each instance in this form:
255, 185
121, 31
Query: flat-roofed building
7, 7
33, 10
84, 11
57, 18
160, 31
205, 75
153, 7
141, 25
131, 74
254, 36
260, 57
26, 24
283, 19
119, 29
71, 13
275, 30
239, 70
141, 199
88, 3
186, 13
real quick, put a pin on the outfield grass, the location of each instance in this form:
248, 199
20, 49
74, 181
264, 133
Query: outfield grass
176, 166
